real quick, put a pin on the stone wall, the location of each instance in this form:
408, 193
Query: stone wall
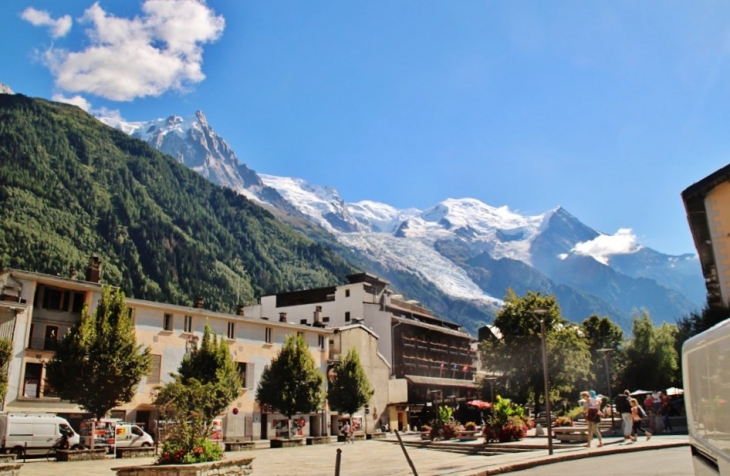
10, 469
227, 467
81, 455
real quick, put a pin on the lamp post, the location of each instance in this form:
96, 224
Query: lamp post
539, 314
605, 351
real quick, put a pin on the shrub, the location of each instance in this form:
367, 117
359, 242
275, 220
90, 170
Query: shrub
563, 421
175, 453
470, 426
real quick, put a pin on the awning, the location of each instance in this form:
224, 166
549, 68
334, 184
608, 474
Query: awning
441, 382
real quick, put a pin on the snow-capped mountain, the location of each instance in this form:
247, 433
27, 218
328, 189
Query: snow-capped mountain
460, 256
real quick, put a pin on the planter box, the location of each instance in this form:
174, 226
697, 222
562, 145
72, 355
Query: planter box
287, 443
10, 469
81, 455
425, 435
241, 446
470, 435
318, 440
138, 452
226, 467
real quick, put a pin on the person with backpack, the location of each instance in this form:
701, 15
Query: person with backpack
637, 415
623, 407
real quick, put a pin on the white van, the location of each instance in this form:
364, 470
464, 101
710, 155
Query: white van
34, 433
129, 435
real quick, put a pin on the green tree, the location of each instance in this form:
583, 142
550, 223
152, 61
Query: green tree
350, 390
602, 333
651, 359
6, 353
206, 383
292, 383
98, 363
517, 353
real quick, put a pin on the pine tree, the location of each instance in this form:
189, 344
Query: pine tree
350, 389
292, 383
98, 363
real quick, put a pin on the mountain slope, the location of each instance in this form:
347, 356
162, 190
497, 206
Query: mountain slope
72, 187
464, 254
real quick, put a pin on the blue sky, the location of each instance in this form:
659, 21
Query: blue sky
609, 109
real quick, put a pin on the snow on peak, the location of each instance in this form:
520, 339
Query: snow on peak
379, 217
178, 125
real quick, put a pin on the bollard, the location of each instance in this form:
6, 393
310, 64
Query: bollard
539, 430
337, 462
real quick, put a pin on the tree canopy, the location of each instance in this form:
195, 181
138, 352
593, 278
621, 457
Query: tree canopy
6, 353
350, 389
292, 383
516, 352
98, 363
652, 361
206, 383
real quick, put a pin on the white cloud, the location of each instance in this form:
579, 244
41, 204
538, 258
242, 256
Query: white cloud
143, 56
603, 246
58, 28
75, 100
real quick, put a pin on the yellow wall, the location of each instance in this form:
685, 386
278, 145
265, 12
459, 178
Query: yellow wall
717, 204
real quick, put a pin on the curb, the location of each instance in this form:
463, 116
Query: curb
573, 456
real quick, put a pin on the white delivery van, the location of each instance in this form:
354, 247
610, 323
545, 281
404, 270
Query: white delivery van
129, 435
34, 433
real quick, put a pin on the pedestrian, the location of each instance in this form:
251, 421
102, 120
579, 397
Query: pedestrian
593, 416
346, 431
623, 407
637, 415
648, 402
666, 410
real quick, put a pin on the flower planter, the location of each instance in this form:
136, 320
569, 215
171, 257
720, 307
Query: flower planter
426, 435
468, 435
226, 467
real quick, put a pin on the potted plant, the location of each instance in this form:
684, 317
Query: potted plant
469, 432
507, 422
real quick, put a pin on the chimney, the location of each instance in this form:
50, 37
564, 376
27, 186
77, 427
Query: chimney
318, 316
93, 272
240, 310
199, 302
282, 317
73, 274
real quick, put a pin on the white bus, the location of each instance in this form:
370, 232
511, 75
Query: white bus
706, 369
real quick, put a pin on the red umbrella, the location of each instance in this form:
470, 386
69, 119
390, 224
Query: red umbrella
480, 404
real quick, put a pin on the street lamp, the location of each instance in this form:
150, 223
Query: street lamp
605, 351
539, 314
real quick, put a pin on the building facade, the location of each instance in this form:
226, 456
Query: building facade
432, 356
707, 203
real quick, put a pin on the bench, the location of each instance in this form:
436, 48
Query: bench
136, 452
571, 434
318, 440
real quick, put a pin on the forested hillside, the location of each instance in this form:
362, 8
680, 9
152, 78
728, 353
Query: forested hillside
71, 187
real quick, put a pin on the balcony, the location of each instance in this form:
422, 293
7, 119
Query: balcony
43, 343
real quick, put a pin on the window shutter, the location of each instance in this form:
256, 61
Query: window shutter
153, 378
249, 375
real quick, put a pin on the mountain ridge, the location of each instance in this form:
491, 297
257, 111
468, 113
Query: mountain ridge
436, 245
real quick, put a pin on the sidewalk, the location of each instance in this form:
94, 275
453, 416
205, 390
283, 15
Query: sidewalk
385, 457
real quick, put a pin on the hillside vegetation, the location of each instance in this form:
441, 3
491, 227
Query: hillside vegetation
71, 187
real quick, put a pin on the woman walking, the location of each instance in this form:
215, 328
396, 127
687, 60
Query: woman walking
593, 417
637, 414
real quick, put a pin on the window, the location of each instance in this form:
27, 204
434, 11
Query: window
320, 342
241, 367
137, 431
153, 378
188, 324
267, 337
231, 330
32, 380
167, 322
79, 300
347, 293
325, 319
55, 299
347, 317
132, 313
51, 338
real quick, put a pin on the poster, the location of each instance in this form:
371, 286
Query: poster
297, 427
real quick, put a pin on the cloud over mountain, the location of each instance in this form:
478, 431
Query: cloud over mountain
130, 58
603, 246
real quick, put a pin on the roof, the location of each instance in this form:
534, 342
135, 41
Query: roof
440, 382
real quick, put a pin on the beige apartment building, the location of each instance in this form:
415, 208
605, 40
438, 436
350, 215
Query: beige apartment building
707, 203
